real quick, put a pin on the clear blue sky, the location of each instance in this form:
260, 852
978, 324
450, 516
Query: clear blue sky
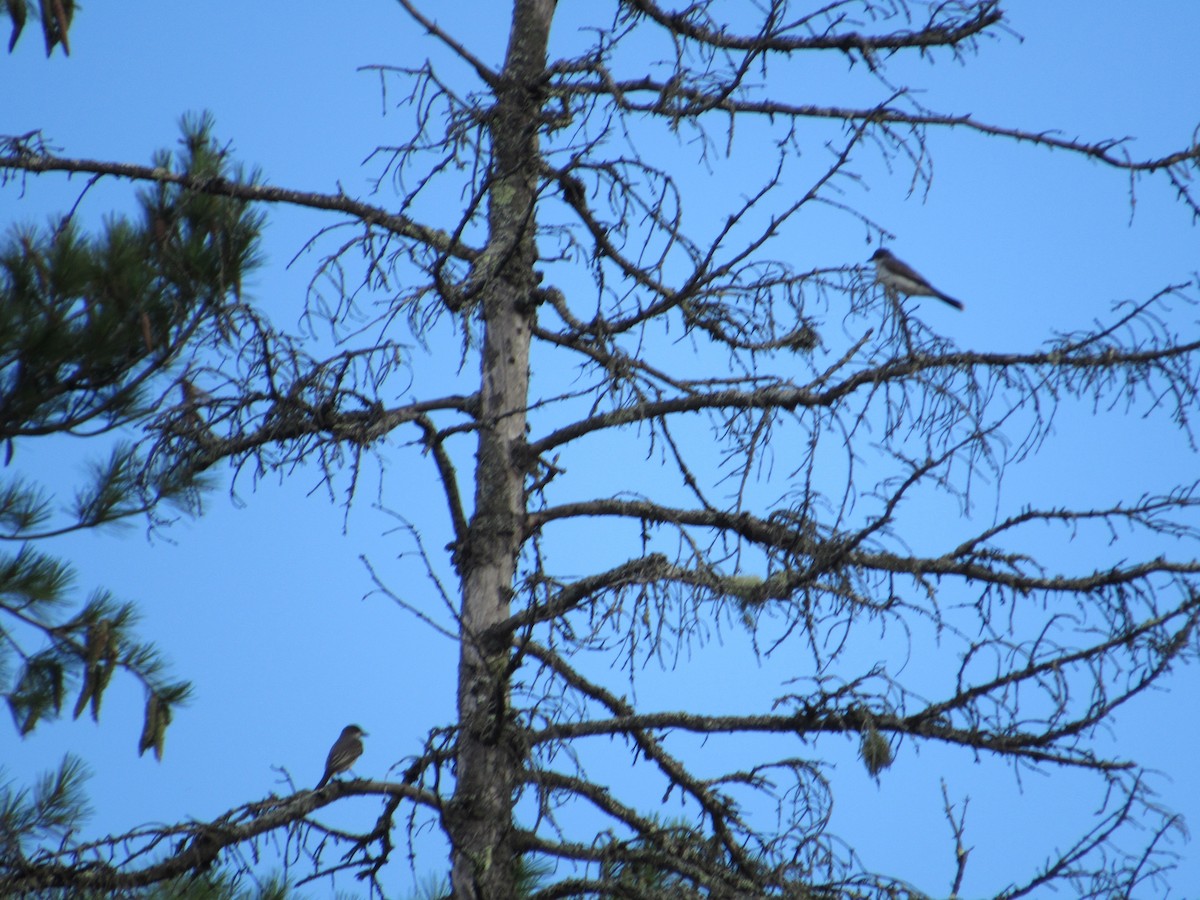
265, 604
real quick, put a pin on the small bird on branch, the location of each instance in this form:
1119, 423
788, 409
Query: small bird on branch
896, 275
346, 749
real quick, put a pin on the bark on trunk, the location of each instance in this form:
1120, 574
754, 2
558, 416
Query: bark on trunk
490, 759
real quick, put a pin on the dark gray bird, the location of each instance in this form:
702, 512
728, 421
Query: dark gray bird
897, 275
342, 755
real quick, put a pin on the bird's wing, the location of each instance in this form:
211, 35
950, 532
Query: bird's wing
905, 270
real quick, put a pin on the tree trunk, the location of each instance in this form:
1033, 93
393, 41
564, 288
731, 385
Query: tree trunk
502, 285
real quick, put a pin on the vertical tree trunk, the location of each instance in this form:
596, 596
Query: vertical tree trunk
489, 759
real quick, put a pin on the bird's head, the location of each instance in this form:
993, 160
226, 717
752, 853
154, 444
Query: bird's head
882, 253
353, 731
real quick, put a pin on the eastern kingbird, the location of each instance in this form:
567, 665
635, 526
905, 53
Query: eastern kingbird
346, 749
896, 275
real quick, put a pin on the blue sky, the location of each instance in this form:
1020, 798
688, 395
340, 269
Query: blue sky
265, 602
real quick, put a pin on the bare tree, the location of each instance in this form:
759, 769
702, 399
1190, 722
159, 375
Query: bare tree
535, 225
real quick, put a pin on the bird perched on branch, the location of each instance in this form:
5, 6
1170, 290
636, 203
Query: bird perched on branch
346, 749
897, 275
